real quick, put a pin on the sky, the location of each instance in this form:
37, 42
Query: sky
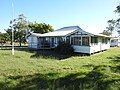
90, 15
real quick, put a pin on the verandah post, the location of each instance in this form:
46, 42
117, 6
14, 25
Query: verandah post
89, 40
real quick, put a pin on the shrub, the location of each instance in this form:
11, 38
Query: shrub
64, 49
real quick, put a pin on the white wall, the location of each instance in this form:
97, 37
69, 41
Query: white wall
99, 47
115, 42
119, 42
95, 47
81, 49
32, 42
92, 48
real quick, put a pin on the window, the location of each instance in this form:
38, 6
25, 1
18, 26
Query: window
67, 39
112, 41
94, 39
59, 39
85, 41
105, 40
76, 40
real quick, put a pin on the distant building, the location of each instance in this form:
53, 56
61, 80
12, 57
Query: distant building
115, 41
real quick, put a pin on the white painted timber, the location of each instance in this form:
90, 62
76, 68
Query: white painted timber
115, 41
32, 42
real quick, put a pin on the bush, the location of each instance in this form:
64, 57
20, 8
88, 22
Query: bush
64, 49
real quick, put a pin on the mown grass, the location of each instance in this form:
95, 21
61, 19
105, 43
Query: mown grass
33, 70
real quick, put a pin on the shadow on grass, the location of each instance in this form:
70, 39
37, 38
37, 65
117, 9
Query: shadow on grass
18, 48
116, 69
115, 60
52, 54
10, 47
26, 49
93, 80
44, 53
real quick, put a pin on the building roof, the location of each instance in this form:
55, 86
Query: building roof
65, 31
61, 32
115, 38
101, 35
35, 34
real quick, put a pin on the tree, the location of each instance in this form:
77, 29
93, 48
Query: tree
118, 20
40, 27
111, 27
115, 23
19, 26
117, 9
4, 37
106, 32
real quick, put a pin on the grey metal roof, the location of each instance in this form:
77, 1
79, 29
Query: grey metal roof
64, 32
35, 34
101, 35
61, 32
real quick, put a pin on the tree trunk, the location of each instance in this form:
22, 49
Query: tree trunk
20, 42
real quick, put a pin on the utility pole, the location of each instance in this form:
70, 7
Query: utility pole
12, 28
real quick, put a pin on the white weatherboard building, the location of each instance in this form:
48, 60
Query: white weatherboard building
82, 41
115, 41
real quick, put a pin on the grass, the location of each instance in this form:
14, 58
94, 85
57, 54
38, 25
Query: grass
35, 70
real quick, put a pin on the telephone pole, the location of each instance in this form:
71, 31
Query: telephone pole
12, 28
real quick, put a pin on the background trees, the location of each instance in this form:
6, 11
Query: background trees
21, 27
40, 27
4, 37
110, 28
113, 25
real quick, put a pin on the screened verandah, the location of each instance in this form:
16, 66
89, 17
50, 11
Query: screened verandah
51, 42
82, 44
90, 44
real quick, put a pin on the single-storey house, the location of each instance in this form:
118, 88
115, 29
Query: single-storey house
81, 41
115, 41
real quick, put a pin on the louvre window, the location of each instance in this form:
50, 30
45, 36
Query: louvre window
85, 41
76, 40
105, 40
94, 39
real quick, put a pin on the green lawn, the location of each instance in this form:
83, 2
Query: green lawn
28, 70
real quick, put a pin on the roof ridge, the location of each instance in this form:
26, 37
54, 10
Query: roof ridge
67, 27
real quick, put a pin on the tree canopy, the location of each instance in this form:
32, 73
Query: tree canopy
40, 27
113, 25
4, 37
19, 26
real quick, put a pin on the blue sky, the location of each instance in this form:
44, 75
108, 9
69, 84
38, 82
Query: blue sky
90, 15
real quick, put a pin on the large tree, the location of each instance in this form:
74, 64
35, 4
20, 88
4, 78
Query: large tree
106, 32
110, 28
118, 20
19, 26
40, 27
113, 25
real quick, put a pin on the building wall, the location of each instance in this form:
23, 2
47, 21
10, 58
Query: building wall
119, 42
115, 42
94, 47
79, 45
81, 49
32, 42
